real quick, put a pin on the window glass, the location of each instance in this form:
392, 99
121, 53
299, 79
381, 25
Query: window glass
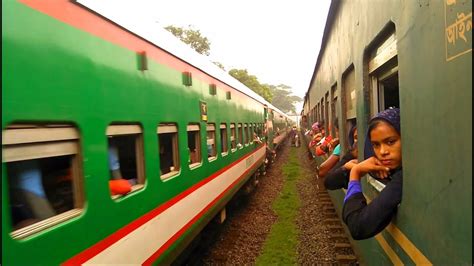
348, 82
168, 150
194, 144
240, 141
246, 134
125, 158
44, 176
233, 140
211, 141
223, 139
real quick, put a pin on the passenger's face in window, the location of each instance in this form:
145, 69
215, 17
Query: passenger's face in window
387, 145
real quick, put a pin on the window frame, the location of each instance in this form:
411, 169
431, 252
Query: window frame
166, 128
195, 127
382, 64
21, 142
233, 139
240, 136
211, 127
223, 139
122, 129
246, 135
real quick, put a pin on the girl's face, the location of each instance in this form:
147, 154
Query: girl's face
387, 145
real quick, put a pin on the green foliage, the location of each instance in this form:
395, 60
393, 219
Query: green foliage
280, 95
280, 247
252, 82
191, 37
283, 99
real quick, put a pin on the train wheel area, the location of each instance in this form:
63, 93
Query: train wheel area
288, 219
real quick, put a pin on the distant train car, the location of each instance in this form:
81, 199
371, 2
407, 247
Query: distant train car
415, 55
118, 146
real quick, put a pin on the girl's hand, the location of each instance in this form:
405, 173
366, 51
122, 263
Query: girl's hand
370, 165
350, 164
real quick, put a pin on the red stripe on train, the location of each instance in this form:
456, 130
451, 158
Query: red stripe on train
79, 17
122, 232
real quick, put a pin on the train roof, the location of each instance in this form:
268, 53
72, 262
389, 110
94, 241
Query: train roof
329, 21
155, 34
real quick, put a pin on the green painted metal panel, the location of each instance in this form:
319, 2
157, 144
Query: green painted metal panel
435, 89
53, 72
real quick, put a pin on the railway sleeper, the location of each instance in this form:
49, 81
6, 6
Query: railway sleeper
331, 220
346, 259
338, 236
329, 208
336, 226
330, 215
342, 245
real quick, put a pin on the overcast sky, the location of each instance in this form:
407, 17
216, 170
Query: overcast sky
276, 40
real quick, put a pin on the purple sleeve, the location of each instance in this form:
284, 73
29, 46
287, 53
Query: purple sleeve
354, 187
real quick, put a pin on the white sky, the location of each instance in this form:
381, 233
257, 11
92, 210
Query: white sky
278, 41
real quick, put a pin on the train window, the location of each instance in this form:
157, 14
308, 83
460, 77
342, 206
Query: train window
233, 140
211, 141
194, 145
326, 114
169, 152
223, 132
240, 141
246, 134
383, 75
250, 131
260, 130
187, 78
333, 106
125, 154
349, 93
44, 176
318, 112
212, 89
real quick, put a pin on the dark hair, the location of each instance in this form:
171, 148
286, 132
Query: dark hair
336, 123
375, 122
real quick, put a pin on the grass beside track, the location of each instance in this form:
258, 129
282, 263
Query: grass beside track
280, 247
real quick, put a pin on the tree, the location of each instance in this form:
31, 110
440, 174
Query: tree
282, 98
252, 82
191, 37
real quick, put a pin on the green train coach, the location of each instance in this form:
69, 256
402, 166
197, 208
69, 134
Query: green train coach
79, 86
417, 56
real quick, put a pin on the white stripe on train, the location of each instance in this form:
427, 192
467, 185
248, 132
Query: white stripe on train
137, 246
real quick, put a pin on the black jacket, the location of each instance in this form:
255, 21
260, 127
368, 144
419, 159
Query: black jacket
365, 221
338, 176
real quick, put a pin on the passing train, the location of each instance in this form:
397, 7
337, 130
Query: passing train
417, 56
78, 85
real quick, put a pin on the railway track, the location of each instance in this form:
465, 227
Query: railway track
239, 240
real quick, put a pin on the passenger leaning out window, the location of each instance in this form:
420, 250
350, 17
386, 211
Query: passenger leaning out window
383, 153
